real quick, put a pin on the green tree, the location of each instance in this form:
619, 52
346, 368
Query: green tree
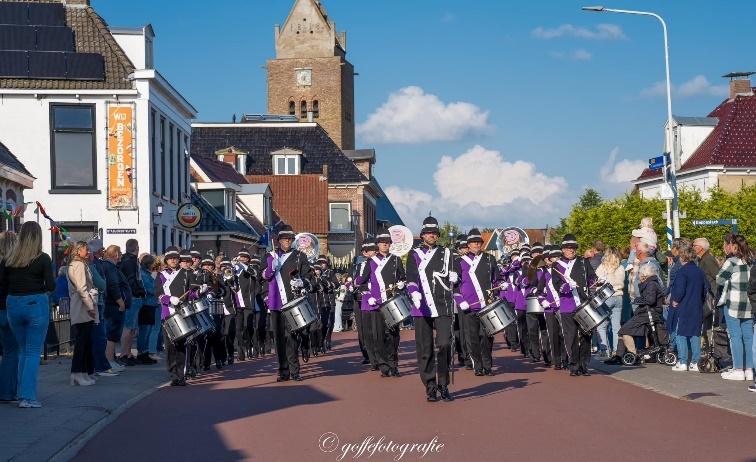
590, 199
445, 239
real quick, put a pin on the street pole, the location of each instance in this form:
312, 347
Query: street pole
673, 219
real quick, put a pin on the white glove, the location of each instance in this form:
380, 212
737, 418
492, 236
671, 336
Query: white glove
372, 301
171, 310
572, 283
464, 306
297, 283
453, 277
504, 286
203, 288
175, 301
400, 285
545, 304
416, 299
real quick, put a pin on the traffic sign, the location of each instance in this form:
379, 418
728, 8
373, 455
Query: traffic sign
657, 163
718, 222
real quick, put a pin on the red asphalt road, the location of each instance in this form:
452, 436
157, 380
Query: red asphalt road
524, 412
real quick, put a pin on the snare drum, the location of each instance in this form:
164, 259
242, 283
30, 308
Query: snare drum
602, 294
534, 306
395, 310
201, 305
299, 313
496, 316
178, 327
589, 317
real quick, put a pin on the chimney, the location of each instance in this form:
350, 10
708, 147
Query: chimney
77, 2
310, 117
740, 84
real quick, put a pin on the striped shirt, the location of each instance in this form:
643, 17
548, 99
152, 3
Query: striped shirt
734, 276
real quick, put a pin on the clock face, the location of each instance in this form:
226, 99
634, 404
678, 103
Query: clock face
304, 77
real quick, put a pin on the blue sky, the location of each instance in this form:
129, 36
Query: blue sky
542, 83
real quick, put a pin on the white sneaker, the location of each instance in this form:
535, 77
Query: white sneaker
734, 374
29, 404
693, 368
114, 366
749, 375
679, 367
107, 373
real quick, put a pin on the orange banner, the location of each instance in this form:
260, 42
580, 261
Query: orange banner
121, 191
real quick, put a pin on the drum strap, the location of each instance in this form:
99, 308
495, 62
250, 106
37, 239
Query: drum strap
380, 264
473, 262
279, 280
169, 277
425, 259
568, 274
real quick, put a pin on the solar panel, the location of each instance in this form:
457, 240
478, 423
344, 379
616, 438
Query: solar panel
47, 65
13, 64
47, 14
14, 37
85, 66
14, 13
55, 38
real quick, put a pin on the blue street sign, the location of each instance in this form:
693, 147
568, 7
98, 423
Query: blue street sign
657, 163
719, 222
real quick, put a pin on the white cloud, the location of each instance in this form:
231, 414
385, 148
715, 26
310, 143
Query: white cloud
696, 86
601, 32
623, 171
480, 187
576, 55
412, 116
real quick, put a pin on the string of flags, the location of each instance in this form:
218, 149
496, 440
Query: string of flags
63, 235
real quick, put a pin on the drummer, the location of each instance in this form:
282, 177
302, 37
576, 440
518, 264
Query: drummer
460, 335
173, 284
382, 277
361, 318
288, 274
550, 301
245, 313
508, 291
431, 277
478, 277
215, 291
572, 276
536, 322
522, 287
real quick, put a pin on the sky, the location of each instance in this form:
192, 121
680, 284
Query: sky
485, 112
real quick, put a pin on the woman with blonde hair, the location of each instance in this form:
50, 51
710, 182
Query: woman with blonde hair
84, 314
28, 278
9, 364
612, 272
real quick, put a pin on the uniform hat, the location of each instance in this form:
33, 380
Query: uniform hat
244, 252
322, 259
285, 232
474, 236
461, 241
569, 242
171, 252
225, 263
368, 245
383, 236
255, 259
555, 252
195, 253
537, 247
515, 253
430, 225
525, 247
185, 256
208, 260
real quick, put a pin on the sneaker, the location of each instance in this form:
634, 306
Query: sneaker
734, 374
114, 366
749, 375
752, 387
693, 368
107, 373
29, 404
679, 367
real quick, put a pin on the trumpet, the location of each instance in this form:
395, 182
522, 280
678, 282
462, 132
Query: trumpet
228, 273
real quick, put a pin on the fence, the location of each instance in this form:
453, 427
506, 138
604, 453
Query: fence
59, 330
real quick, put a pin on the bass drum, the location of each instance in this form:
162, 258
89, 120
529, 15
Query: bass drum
496, 317
396, 310
299, 313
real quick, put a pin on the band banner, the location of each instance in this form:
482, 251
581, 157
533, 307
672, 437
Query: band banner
121, 189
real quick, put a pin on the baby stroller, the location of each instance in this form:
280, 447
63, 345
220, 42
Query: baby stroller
663, 352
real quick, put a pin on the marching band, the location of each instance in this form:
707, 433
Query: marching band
456, 298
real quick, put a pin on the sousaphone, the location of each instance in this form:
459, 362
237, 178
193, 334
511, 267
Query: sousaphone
308, 244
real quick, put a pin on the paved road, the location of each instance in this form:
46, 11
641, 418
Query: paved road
525, 411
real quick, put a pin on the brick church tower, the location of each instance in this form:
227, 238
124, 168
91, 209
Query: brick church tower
310, 76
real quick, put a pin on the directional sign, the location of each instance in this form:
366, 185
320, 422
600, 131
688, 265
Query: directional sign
657, 163
718, 222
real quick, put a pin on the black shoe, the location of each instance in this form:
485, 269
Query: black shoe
395, 372
206, 368
431, 394
282, 378
386, 373
557, 367
535, 360
585, 373
231, 361
480, 373
296, 378
488, 372
315, 352
373, 368
219, 365
327, 345
468, 367
547, 363
306, 356
445, 395
127, 361
178, 382
241, 357
574, 373
145, 359
365, 361
614, 361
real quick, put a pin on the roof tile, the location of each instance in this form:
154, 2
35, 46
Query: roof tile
301, 200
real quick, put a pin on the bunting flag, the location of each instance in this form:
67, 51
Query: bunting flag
62, 233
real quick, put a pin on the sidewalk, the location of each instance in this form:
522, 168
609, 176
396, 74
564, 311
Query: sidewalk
708, 389
69, 413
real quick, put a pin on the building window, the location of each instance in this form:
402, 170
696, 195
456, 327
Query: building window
154, 240
172, 154
303, 110
186, 166
153, 158
340, 216
180, 189
286, 164
292, 108
181, 239
73, 146
163, 167
315, 109
163, 242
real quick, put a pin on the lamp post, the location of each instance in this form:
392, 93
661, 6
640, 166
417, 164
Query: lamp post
673, 218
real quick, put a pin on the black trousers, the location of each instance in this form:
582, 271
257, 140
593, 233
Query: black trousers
481, 345
512, 337
82, 361
371, 320
556, 341
261, 329
522, 331
175, 357
538, 336
326, 320
358, 320
216, 342
431, 350
461, 344
241, 320
286, 346
577, 343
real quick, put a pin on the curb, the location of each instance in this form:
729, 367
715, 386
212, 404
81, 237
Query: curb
73, 447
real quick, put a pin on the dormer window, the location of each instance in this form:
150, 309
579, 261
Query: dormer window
287, 161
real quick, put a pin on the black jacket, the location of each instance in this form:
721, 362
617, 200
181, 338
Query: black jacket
129, 266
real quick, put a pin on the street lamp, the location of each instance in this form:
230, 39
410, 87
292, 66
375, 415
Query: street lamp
673, 218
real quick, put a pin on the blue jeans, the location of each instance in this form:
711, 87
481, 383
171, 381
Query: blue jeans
145, 335
29, 316
9, 366
670, 322
683, 343
741, 340
99, 342
155, 332
614, 306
